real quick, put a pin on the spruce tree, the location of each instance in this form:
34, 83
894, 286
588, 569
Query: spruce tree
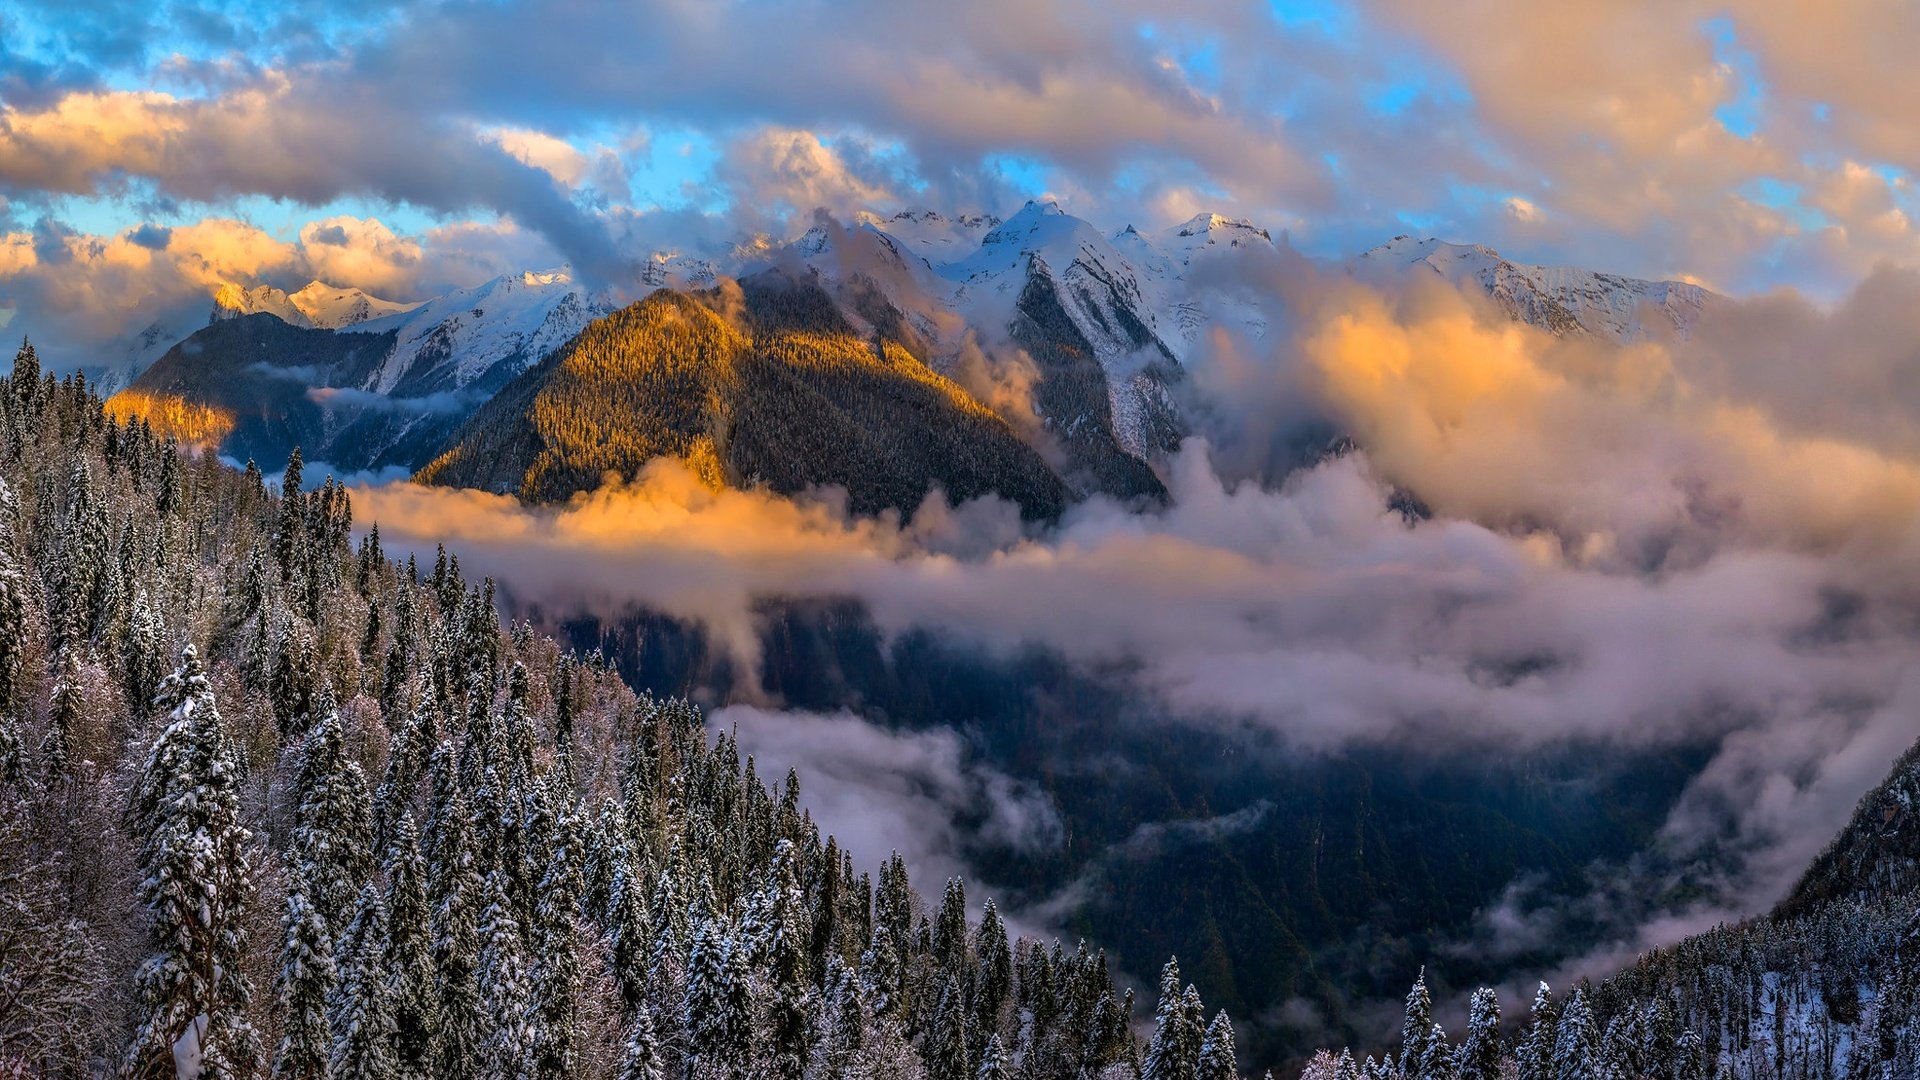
508, 1048
1416, 1028
556, 973
993, 985
994, 1062
409, 956
1533, 1057
63, 712
363, 1020
455, 892
718, 1031
785, 941
305, 983
13, 770
195, 884
332, 834
630, 935
946, 1052
1172, 1052
1217, 1053
1576, 1043
642, 1058
1480, 1054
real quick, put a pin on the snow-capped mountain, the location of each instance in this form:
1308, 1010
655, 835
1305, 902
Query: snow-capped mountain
330, 307
477, 339
1111, 319
933, 236
317, 305
1560, 299
1101, 292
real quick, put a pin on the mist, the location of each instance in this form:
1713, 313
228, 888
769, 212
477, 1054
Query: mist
1538, 542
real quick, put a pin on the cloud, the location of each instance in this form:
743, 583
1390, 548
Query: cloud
362, 252
1624, 546
877, 791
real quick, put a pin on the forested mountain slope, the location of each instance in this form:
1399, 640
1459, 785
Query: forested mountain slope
361, 830
276, 386
1826, 987
787, 395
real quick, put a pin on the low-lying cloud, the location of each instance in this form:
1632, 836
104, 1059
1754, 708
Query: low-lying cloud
1617, 550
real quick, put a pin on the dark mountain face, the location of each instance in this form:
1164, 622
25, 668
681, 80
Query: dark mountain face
1290, 885
1074, 394
275, 384
1878, 853
786, 394
274, 387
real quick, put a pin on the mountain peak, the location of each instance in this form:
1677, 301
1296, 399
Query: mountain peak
1204, 224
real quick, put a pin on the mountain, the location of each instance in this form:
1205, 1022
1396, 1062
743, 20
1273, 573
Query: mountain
315, 305
1559, 299
1108, 321
358, 382
261, 386
1827, 985
602, 857
786, 394
475, 340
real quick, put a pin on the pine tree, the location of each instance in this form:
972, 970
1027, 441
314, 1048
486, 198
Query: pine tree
12, 754
195, 885
994, 1063
305, 983
13, 633
144, 655
363, 1021
1576, 1044
1168, 1052
784, 943
332, 833
1480, 1054
455, 891
630, 935
556, 980
1217, 1053
994, 983
1416, 1028
719, 1032
840, 1052
409, 956
63, 712
947, 1057
642, 1059
508, 1050
1534, 1055
1437, 1057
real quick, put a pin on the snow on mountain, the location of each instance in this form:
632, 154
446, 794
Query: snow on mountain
332, 308
1112, 306
676, 271
482, 336
933, 236
1559, 299
1205, 234
316, 305
232, 301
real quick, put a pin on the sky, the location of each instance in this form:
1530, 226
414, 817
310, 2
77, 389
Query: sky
1711, 538
149, 150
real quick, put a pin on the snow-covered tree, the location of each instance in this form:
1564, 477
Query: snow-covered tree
196, 882
1576, 1043
363, 1020
1217, 1053
1480, 1054
305, 983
